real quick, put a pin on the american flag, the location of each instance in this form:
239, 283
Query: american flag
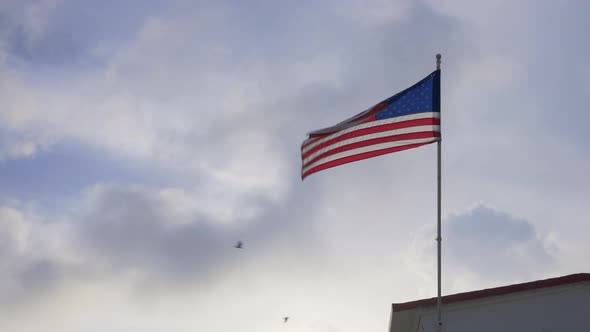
407, 120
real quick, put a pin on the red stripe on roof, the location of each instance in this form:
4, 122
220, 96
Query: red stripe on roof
479, 294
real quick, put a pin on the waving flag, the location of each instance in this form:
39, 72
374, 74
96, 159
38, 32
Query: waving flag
407, 120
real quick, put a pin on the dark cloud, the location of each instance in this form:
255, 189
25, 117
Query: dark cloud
130, 228
27, 271
40, 275
494, 245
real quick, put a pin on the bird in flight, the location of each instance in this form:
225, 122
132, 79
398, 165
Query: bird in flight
285, 319
238, 245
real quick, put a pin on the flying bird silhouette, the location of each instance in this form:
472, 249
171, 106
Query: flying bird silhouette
238, 245
285, 319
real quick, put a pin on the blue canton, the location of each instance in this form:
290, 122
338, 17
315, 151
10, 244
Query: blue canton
416, 99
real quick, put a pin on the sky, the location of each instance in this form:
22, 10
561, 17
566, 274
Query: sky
140, 140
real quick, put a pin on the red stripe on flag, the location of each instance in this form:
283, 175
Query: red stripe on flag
371, 114
360, 156
355, 120
401, 137
372, 130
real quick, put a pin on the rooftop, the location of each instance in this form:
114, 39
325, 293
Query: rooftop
489, 292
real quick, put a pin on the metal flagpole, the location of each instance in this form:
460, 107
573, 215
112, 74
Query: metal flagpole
439, 238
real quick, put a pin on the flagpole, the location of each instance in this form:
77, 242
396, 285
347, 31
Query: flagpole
439, 238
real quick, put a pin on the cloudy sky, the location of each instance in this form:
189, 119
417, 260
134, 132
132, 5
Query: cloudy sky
139, 140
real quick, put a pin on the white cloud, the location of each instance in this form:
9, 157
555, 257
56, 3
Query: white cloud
189, 110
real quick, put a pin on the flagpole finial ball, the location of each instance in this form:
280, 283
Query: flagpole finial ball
438, 56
